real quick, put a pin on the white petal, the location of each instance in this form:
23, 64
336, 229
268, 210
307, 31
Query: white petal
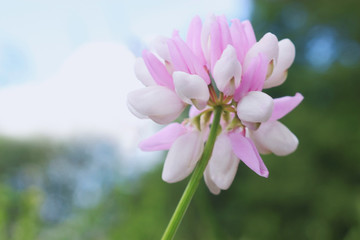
155, 102
285, 59
160, 47
182, 157
267, 45
192, 89
227, 71
255, 107
142, 73
276, 78
210, 184
261, 149
251, 125
134, 111
286, 54
223, 163
275, 137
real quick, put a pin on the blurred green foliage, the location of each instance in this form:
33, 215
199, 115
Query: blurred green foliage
312, 194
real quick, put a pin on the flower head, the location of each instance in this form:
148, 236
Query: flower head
218, 65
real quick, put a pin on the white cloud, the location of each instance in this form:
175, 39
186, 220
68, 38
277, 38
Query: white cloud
87, 96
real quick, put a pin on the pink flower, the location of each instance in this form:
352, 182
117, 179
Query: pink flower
217, 65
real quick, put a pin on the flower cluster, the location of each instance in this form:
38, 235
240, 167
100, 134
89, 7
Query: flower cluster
218, 65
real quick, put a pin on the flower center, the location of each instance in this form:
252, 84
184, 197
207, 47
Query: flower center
229, 118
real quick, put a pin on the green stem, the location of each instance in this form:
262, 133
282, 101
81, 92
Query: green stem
195, 179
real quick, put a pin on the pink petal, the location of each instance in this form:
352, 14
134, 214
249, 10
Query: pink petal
245, 149
186, 53
284, 105
159, 46
215, 44
192, 61
246, 81
259, 76
239, 39
194, 111
177, 58
163, 139
249, 33
157, 70
205, 38
220, 37
225, 32
193, 38
253, 77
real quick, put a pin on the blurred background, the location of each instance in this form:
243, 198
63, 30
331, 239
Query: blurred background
69, 163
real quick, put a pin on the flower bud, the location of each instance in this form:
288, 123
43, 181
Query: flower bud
275, 137
192, 89
255, 107
227, 71
285, 59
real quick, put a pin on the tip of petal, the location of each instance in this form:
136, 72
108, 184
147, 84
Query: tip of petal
264, 173
167, 178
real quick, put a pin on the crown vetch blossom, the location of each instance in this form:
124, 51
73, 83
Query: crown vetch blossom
218, 65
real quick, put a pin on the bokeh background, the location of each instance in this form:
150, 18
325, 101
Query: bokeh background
69, 165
